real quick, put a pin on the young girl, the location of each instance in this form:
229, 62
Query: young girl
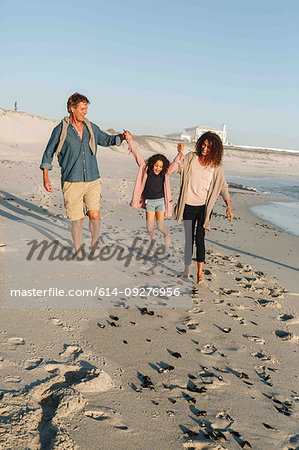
152, 188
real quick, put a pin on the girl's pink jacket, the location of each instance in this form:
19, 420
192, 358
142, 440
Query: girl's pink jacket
137, 199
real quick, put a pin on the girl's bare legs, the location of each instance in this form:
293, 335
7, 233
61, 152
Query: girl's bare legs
160, 216
150, 225
77, 232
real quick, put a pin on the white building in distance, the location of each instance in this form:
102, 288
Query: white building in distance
193, 133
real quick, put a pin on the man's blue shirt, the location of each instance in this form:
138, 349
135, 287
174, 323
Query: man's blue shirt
76, 159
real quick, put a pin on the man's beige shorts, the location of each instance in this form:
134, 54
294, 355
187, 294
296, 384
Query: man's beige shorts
79, 194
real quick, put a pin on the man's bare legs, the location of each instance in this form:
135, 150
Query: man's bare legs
94, 226
77, 232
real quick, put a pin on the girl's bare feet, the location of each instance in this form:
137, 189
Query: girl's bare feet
167, 241
153, 243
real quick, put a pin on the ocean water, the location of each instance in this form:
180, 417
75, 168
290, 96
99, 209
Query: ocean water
284, 214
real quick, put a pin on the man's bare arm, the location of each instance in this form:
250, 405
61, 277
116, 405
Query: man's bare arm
47, 184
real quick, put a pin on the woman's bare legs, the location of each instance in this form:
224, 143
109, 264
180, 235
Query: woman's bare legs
189, 226
186, 272
199, 271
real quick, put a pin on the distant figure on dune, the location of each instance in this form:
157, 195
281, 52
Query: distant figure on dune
16, 106
202, 180
152, 189
75, 141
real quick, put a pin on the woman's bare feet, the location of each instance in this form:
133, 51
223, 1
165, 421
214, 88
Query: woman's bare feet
186, 272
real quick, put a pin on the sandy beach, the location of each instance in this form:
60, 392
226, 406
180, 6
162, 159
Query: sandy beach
213, 367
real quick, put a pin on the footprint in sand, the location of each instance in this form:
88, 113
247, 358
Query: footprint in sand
235, 317
268, 303
230, 292
197, 310
103, 413
32, 363
237, 306
282, 406
101, 382
208, 349
192, 325
16, 341
70, 353
263, 357
292, 441
262, 373
286, 336
13, 379
56, 321
256, 339
291, 319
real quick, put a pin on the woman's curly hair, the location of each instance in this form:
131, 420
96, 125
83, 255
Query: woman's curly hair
152, 161
215, 154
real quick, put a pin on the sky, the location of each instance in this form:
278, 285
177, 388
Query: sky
157, 67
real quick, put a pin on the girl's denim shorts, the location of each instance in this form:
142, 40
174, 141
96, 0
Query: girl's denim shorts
155, 204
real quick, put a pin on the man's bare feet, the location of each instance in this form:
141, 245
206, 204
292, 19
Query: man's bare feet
78, 257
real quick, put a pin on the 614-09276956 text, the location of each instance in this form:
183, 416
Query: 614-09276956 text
140, 291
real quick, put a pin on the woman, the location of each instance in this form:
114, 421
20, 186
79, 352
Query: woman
202, 180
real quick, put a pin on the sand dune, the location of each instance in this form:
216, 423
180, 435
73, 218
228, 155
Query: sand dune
22, 128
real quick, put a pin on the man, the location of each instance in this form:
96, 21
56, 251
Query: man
75, 141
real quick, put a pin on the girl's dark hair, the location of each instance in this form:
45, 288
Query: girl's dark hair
214, 157
152, 161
